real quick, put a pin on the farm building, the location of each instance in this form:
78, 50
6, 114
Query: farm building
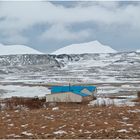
71, 94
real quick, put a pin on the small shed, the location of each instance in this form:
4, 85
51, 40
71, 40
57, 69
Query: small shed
71, 94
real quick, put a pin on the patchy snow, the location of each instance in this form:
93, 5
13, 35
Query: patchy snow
55, 108
114, 74
24, 125
27, 133
43, 127
123, 131
108, 101
134, 111
13, 135
60, 132
11, 125
17, 49
89, 47
125, 118
101, 101
23, 91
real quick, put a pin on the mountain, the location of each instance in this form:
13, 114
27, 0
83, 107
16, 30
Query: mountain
17, 49
28, 60
89, 47
138, 51
105, 70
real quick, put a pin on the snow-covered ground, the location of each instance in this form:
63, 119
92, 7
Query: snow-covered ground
17, 49
89, 47
22, 91
115, 74
108, 101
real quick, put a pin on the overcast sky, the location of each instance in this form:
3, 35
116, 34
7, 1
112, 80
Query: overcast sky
47, 26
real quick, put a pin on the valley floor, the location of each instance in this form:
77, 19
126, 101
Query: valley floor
76, 121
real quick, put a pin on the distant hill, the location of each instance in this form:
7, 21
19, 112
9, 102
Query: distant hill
89, 47
17, 49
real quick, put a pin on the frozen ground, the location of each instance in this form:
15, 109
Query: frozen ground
113, 74
117, 77
23, 91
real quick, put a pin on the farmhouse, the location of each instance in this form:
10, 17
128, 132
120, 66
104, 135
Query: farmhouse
71, 94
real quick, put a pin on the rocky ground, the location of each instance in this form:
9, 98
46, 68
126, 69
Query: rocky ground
76, 121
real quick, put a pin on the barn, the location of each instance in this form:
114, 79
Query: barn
71, 94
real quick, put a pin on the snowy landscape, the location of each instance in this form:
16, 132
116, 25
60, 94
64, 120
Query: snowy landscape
116, 75
69, 69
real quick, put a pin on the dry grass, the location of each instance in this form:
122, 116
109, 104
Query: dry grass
76, 121
138, 94
136, 100
19, 103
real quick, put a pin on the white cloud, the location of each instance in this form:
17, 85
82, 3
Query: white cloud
105, 4
25, 14
60, 32
18, 16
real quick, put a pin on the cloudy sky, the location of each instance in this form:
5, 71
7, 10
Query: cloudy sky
47, 26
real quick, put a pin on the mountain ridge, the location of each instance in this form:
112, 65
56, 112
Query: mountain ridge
88, 47
17, 49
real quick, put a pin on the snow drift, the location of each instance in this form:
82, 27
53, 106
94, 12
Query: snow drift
89, 47
17, 49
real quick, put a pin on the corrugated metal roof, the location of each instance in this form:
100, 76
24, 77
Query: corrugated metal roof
74, 89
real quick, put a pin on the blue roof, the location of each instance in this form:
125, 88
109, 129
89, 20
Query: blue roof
74, 89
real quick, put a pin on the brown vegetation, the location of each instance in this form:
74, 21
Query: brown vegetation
76, 121
138, 94
19, 103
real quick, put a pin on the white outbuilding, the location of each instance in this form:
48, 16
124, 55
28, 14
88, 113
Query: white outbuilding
71, 94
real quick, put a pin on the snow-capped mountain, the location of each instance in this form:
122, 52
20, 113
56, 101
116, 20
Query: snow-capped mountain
17, 49
138, 50
89, 47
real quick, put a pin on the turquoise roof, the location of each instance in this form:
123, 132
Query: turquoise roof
74, 89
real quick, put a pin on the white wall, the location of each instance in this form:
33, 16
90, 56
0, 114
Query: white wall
63, 97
